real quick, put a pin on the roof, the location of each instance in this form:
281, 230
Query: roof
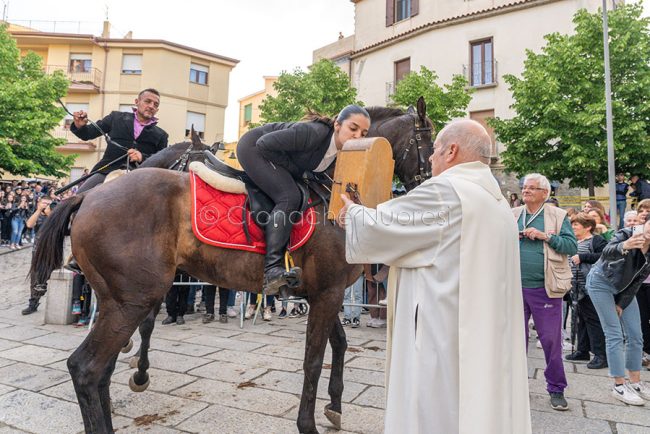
100, 40
457, 19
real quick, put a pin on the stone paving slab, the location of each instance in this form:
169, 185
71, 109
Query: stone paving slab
5, 389
245, 396
37, 413
541, 402
58, 341
224, 343
35, 355
354, 418
624, 428
583, 387
558, 422
367, 363
256, 360
373, 397
9, 430
126, 425
292, 383
5, 344
226, 371
363, 376
218, 418
31, 377
626, 413
21, 334
159, 381
170, 410
188, 349
175, 362
5, 362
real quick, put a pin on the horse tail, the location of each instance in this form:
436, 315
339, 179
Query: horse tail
48, 251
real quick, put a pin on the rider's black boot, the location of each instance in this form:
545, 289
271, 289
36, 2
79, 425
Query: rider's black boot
31, 307
277, 233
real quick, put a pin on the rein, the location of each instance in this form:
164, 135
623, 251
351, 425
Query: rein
416, 140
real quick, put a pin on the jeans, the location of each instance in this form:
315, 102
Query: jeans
617, 330
620, 209
547, 315
353, 294
17, 225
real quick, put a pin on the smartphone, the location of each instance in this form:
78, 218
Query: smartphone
637, 229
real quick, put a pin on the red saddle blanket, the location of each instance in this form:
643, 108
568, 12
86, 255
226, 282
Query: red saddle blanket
217, 219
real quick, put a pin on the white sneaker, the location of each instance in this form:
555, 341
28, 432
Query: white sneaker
626, 394
641, 389
250, 311
383, 302
232, 313
377, 323
266, 316
370, 322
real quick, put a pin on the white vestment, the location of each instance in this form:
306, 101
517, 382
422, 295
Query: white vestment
458, 361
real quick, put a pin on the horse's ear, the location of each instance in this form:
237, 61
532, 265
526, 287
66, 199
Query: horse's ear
422, 109
196, 139
410, 110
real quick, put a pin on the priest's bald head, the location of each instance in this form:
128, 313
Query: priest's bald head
462, 141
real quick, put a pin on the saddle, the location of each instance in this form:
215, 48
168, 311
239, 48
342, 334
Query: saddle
258, 202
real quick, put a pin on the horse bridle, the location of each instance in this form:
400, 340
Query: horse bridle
181, 162
416, 139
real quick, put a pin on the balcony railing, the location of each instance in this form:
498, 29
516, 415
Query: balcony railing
89, 77
481, 73
61, 132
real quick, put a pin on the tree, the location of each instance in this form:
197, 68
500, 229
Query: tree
28, 113
443, 103
325, 89
559, 126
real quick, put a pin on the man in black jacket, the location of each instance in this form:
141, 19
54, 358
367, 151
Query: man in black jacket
136, 133
641, 188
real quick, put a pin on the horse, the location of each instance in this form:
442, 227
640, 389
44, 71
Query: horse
132, 260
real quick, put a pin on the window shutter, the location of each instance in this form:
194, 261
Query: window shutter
415, 7
131, 63
196, 119
390, 12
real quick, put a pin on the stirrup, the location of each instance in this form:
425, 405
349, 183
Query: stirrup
72, 265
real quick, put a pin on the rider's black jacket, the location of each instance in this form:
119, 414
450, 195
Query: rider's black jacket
119, 126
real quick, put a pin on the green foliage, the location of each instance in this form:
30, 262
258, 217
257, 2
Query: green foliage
443, 103
559, 128
325, 89
28, 113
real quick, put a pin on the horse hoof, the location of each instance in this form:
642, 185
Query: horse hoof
138, 387
333, 416
128, 347
133, 363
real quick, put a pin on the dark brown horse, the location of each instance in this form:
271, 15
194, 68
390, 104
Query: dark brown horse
131, 235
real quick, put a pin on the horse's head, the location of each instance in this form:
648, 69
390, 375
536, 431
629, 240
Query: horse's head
411, 136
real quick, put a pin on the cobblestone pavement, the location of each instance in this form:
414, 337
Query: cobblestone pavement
220, 378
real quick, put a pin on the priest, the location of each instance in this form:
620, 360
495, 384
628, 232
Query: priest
456, 360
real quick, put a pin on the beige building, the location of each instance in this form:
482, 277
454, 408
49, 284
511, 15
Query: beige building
107, 73
249, 106
481, 39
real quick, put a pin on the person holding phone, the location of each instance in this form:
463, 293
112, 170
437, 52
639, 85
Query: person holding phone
612, 285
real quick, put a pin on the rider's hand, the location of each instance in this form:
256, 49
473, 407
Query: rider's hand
344, 211
134, 155
80, 118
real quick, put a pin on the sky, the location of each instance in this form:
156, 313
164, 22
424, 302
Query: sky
266, 36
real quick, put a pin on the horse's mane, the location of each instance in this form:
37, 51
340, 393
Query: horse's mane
166, 156
378, 113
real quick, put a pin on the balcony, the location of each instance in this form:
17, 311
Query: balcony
74, 143
83, 80
481, 74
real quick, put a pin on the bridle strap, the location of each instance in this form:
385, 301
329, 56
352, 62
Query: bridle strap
415, 140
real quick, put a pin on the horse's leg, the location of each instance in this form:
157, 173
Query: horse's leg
105, 395
321, 320
140, 380
339, 344
90, 363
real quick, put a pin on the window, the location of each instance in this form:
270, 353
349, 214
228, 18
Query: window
398, 10
198, 74
80, 62
132, 64
481, 62
402, 67
126, 108
196, 119
482, 118
248, 113
73, 107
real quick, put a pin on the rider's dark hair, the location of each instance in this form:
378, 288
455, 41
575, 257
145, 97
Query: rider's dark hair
344, 114
150, 90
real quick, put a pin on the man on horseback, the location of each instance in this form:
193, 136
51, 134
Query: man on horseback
135, 134
274, 156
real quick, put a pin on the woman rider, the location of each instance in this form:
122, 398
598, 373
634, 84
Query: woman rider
276, 154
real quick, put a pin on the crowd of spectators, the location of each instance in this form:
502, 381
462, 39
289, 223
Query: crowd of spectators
19, 200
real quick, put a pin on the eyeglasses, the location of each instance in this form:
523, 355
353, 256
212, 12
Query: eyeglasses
526, 187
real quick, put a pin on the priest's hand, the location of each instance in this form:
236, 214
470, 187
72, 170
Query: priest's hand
344, 211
